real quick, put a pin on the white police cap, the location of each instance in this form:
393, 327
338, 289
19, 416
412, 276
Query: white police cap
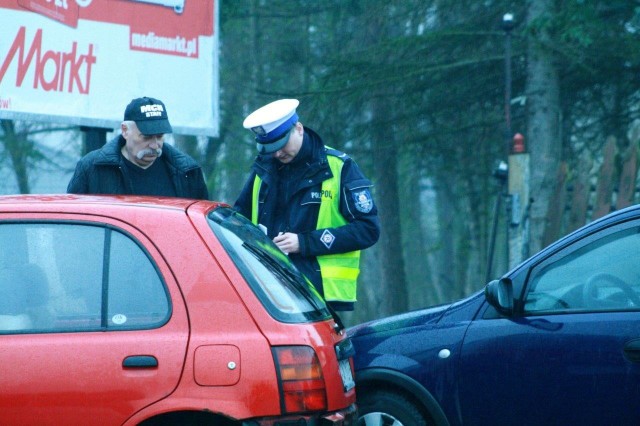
271, 123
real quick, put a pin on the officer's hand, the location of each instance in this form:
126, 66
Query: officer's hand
287, 242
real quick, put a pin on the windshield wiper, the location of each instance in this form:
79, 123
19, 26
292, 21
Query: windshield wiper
282, 272
289, 276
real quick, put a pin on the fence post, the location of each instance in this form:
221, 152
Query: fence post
604, 189
627, 185
519, 181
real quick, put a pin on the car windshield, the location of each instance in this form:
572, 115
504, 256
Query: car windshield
284, 291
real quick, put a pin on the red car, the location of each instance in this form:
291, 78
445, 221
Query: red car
150, 311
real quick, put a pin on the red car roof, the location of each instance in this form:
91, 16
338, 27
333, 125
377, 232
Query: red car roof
91, 203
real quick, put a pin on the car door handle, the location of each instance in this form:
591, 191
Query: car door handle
632, 350
140, 361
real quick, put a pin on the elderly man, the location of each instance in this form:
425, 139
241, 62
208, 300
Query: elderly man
138, 162
313, 201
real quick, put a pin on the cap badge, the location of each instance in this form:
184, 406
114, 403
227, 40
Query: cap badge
259, 130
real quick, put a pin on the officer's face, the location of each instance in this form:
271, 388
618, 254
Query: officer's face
141, 150
291, 149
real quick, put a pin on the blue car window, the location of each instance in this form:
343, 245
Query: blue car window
602, 275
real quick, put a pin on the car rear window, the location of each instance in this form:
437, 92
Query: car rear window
286, 294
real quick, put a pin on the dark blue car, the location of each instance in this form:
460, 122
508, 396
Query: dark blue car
556, 341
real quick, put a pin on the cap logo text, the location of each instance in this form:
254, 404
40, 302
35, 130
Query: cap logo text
152, 110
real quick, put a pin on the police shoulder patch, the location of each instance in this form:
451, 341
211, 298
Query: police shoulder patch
363, 200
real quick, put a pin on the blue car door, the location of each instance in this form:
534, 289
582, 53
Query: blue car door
571, 352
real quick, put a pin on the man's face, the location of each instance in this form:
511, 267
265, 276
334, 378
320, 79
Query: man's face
291, 149
142, 150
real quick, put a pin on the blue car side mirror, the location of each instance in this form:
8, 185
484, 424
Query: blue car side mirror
499, 294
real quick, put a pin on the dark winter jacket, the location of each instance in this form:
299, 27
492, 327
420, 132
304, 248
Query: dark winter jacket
103, 171
289, 203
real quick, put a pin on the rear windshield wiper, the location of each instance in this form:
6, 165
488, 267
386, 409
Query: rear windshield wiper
284, 273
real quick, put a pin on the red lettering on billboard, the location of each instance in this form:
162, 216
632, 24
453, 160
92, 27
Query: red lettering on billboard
69, 67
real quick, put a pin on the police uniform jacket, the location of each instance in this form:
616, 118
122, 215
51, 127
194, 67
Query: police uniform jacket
289, 201
103, 171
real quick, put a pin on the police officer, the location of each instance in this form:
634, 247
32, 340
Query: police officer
313, 200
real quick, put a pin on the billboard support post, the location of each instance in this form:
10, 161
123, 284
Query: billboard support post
93, 138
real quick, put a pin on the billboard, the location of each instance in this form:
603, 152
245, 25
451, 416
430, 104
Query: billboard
80, 62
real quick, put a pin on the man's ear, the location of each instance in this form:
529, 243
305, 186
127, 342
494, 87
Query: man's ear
124, 127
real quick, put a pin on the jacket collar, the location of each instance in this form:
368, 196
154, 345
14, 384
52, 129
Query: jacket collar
110, 155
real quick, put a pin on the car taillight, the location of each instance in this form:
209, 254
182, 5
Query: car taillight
300, 378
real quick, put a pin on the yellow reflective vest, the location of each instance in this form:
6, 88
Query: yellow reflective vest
339, 271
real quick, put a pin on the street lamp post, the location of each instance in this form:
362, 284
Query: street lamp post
517, 182
507, 26
502, 172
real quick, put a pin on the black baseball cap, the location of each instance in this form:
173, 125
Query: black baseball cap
149, 114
